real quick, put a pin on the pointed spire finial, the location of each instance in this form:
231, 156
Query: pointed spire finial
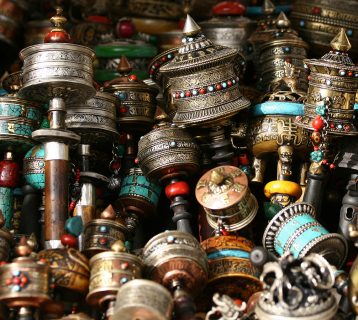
124, 66
268, 7
191, 28
282, 21
341, 42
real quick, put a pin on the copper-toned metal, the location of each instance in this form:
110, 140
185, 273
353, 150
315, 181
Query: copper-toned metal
143, 299
69, 268
175, 258
135, 98
203, 83
230, 269
226, 198
167, 151
109, 272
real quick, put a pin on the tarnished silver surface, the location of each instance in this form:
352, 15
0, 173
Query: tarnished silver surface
60, 70
56, 151
144, 300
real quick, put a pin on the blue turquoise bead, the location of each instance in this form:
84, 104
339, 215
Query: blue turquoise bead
16, 273
277, 108
321, 110
349, 32
224, 84
170, 239
103, 229
195, 92
302, 23
124, 280
227, 253
211, 88
121, 95
16, 288
74, 226
7, 205
34, 167
317, 156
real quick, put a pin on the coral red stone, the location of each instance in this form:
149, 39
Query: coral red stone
9, 174
318, 123
69, 241
57, 37
229, 8
180, 188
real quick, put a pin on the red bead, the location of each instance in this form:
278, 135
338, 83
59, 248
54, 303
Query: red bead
188, 94
332, 166
218, 87
8, 281
124, 265
164, 59
309, 78
102, 241
315, 148
289, 60
346, 127
318, 123
202, 91
229, 83
244, 159
332, 126
177, 95
123, 110
151, 71
43, 260
350, 73
324, 161
156, 64
115, 165
316, 137
180, 188
72, 206
9, 173
69, 241
57, 37
125, 28
136, 160
24, 280
316, 10
16, 280
133, 77
229, 8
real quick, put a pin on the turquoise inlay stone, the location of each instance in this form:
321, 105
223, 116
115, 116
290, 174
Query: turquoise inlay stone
277, 108
16, 273
306, 238
316, 156
45, 124
14, 128
16, 288
229, 253
124, 280
34, 167
7, 205
321, 110
74, 226
288, 230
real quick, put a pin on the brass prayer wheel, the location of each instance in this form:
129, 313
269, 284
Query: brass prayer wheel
226, 198
174, 257
167, 150
109, 272
203, 82
230, 269
143, 299
69, 268
24, 282
136, 100
94, 121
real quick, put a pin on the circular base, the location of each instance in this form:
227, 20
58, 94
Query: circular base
59, 135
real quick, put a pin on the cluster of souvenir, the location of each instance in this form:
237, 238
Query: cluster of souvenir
178, 160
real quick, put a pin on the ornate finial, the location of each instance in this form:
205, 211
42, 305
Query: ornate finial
191, 28
23, 249
118, 246
124, 66
268, 7
282, 21
58, 20
109, 213
58, 34
216, 177
341, 42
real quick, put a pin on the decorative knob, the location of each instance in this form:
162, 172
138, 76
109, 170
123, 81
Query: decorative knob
58, 34
340, 42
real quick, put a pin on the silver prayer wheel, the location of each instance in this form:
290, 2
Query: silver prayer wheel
167, 150
175, 257
143, 299
94, 121
109, 272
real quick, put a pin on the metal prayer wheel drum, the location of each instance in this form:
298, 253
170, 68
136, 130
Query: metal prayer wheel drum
34, 167
228, 27
226, 198
230, 269
294, 229
69, 268
18, 119
24, 283
175, 257
167, 151
61, 70
94, 121
143, 299
100, 234
138, 194
318, 21
333, 78
109, 272
203, 82
136, 100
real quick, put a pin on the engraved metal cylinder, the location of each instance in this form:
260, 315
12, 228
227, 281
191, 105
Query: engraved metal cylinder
100, 234
57, 70
230, 269
34, 167
225, 196
109, 272
143, 299
294, 229
176, 257
94, 121
168, 150
138, 194
69, 268
30, 292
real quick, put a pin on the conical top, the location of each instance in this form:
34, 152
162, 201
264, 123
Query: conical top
282, 21
268, 7
191, 28
341, 42
124, 66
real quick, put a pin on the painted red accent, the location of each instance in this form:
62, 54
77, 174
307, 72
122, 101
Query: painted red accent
9, 173
316, 10
180, 188
24, 280
57, 37
350, 73
332, 166
202, 91
188, 94
218, 87
103, 241
164, 58
229, 8
8, 281
244, 159
229, 83
133, 78
332, 126
69, 241
318, 123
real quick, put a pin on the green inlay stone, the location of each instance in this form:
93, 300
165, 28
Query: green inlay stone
74, 226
